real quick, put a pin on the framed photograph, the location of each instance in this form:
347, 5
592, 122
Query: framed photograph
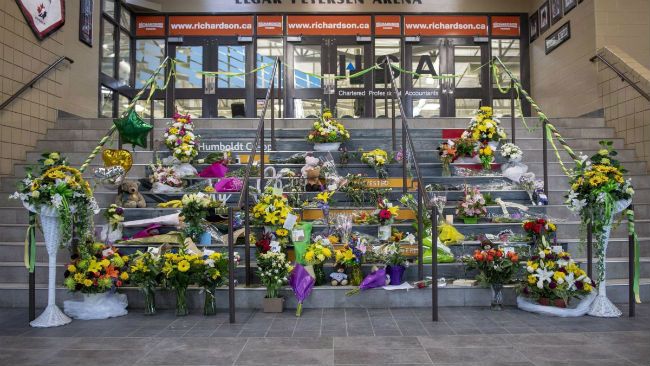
558, 37
86, 22
43, 17
533, 23
556, 11
544, 20
569, 5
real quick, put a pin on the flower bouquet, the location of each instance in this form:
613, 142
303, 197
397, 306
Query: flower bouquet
384, 215
97, 272
114, 216
273, 270
598, 192
271, 209
485, 128
472, 207
466, 150
327, 134
165, 179
181, 270
513, 169
447, 154
496, 268
145, 273
553, 278
62, 199
350, 257
180, 138
322, 201
540, 231
195, 209
511, 152
317, 253
215, 274
395, 261
377, 159
486, 155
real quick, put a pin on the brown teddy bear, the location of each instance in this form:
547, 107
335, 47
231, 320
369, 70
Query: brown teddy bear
128, 195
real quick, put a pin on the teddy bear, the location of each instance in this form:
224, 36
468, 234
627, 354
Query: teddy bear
339, 278
128, 195
311, 171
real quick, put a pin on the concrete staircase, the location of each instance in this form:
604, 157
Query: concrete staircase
76, 137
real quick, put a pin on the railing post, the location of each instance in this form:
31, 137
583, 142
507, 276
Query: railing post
590, 254
393, 125
386, 89
281, 98
247, 232
512, 111
152, 122
434, 263
231, 267
404, 159
630, 286
32, 275
262, 148
545, 156
273, 113
420, 237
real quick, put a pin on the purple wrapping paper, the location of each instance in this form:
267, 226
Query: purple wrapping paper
301, 282
373, 280
216, 170
230, 184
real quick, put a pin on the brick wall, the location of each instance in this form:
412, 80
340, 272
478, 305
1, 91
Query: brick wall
626, 110
23, 56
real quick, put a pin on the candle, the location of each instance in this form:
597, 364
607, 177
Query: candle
449, 219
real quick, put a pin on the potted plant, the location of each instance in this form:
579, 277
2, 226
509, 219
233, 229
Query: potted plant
496, 268
180, 270
554, 279
273, 270
97, 272
317, 253
472, 207
144, 272
327, 134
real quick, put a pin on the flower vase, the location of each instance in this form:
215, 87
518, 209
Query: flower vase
356, 276
210, 302
181, 301
319, 275
470, 220
149, 295
497, 297
327, 146
446, 170
396, 273
602, 306
52, 316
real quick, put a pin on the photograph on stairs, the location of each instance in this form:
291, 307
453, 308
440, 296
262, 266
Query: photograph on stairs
425, 175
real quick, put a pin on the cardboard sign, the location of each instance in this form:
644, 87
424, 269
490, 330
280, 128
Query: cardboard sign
446, 25
43, 17
269, 25
150, 25
325, 25
211, 25
388, 25
506, 26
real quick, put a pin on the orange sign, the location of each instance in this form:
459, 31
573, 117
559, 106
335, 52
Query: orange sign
505, 26
388, 25
151, 25
335, 25
445, 25
269, 25
211, 25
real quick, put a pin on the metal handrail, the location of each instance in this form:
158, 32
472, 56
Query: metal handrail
621, 75
35, 79
259, 139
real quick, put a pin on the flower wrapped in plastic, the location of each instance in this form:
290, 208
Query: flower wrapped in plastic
327, 130
180, 138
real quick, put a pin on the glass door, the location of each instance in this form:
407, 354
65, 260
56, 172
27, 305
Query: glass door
351, 99
470, 89
191, 57
306, 60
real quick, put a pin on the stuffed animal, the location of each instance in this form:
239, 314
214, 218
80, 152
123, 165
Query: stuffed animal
311, 171
128, 195
339, 278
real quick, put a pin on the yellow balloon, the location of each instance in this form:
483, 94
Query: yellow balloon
113, 157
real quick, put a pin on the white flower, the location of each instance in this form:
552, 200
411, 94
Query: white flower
14, 196
542, 276
57, 200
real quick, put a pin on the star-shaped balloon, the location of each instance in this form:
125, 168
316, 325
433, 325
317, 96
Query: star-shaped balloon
132, 129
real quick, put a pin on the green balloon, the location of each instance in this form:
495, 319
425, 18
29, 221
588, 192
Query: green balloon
133, 130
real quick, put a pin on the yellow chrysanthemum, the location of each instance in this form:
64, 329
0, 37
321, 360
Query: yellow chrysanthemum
183, 266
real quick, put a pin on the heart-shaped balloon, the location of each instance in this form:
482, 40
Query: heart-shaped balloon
114, 157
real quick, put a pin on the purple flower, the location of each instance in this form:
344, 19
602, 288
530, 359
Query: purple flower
182, 132
179, 141
552, 285
119, 210
579, 285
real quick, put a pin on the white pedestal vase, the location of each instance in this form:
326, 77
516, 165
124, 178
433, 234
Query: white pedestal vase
52, 316
602, 306
327, 146
97, 306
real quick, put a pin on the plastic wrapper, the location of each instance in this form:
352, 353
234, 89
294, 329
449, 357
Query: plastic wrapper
514, 171
300, 246
185, 170
448, 234
97, 306
302, 284
231, 184
579, 309
215, 234
168, 220
444, 253
214, 170
160, 188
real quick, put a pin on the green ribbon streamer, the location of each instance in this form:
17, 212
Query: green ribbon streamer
30, 244
632, 232
230, 74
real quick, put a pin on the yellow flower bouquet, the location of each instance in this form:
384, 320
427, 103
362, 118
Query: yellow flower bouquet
484, 127
179, 271
317, 253
328, 130
377, 159
271, 209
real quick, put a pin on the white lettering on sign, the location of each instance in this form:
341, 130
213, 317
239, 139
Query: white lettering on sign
229, 145
377, 183
351, 93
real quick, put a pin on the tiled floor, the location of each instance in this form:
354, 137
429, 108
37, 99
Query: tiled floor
463, 336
